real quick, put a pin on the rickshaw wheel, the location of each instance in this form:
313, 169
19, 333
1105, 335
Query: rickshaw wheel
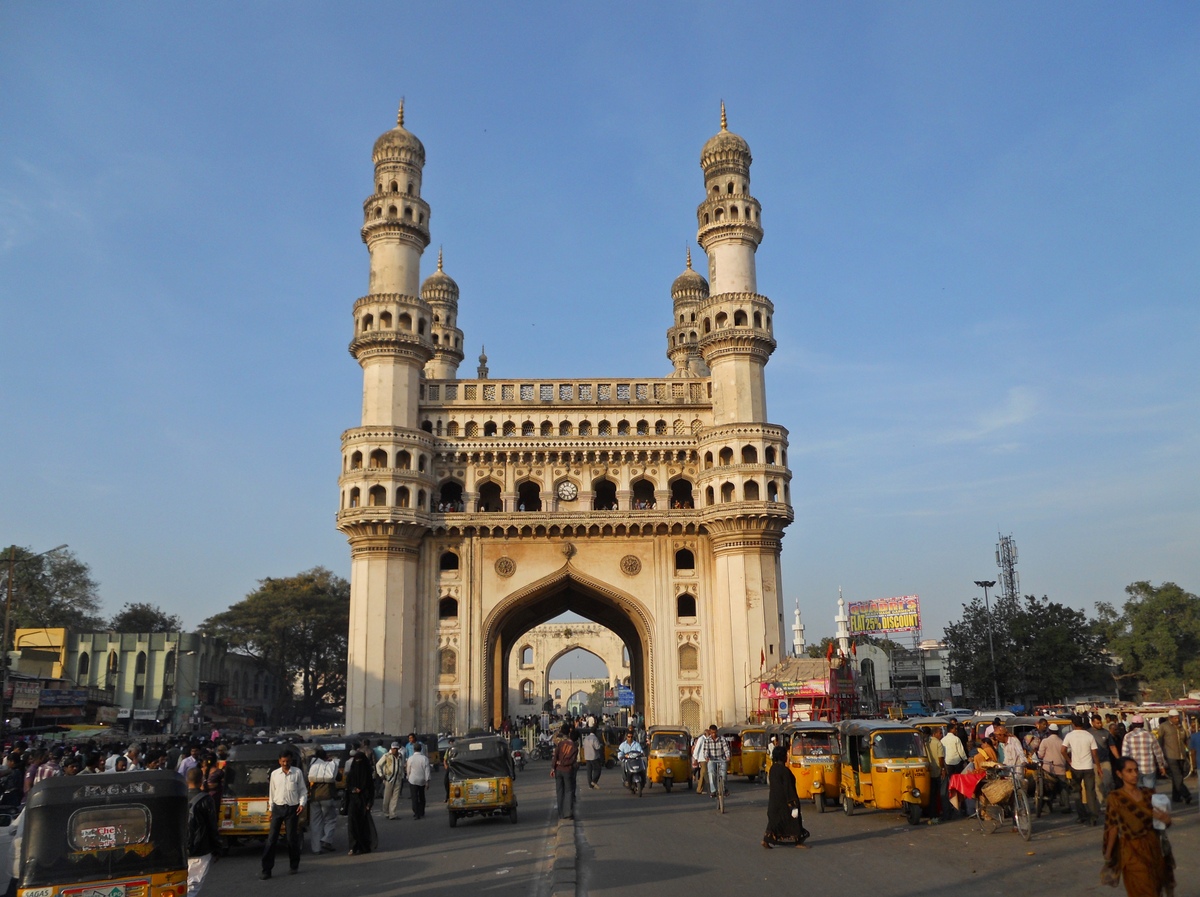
989, 823
512, 815
847, 804
453, 819
913, 812
667, 785
819, 800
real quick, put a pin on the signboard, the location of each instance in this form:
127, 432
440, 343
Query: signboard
624, 696
106, 715
885, 615
781, 708
64, 697
803, 688
26, 695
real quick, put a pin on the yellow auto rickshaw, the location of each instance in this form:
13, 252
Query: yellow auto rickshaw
111, 833
245, 810
747, 750
670, 756
884, 766
612, 736
481, 778
815, 761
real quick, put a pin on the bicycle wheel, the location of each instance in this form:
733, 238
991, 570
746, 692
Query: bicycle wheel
990, 816
1022, 816
1039, 793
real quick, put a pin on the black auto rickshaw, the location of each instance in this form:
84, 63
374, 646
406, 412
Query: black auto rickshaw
481, 778
107, 834
245, 810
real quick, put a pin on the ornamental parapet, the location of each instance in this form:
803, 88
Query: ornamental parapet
574, 394
383, 433
736, 341
393, 342
727, 432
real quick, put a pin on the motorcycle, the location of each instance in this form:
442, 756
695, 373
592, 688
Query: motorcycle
519, 759
634, 767
543, 750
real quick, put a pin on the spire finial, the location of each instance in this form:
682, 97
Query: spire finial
439, 258
689, 258
400, 114
724, 120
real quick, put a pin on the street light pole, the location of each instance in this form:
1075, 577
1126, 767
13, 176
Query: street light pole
8, 599
986, 584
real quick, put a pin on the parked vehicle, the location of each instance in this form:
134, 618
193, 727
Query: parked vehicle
481, 778
670, 756
245, 810
815, 761
884, 766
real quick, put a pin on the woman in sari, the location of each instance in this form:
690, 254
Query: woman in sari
965, 785
1131, 844
784, 823
360, 788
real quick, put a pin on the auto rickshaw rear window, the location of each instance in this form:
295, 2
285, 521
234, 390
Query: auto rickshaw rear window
754, 739
812, 745
897, 745
662, 742
107, 828
248, 779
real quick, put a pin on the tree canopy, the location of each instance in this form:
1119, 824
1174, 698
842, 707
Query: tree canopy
1156, 639
298, 627
1044, 650
138, 616
52, 590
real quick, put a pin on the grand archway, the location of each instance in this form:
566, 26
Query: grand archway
565, 591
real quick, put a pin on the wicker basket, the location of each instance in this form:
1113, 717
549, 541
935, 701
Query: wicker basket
997, 791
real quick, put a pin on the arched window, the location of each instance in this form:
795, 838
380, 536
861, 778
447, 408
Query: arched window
564, 429
489, 497
526, 691
604, 428
689, 714
448, 662
450, 497
749, 454
604, 495
547, 428
557, 694
643, 428
510, 429
642, 495
726, 456
356, 461
772, 491
733, 212
689, 659
721, 320
85, 664
708, 495
529, 497
472, 429
452, 429
404, 322
623, 428
758, 319
377, 496
378, 459
750, 490
708, 460
140, 669
385, 320
448, 609
770, 453
403, 497
489, 428
585, 428
726, 492
368, 323
448, 561
527, 428
681, 494
685, 606
427, 426
685, 560
527, 656
395, 188
355, 498
660, 428
739, 318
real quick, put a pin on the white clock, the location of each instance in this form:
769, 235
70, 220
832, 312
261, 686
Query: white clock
568, 491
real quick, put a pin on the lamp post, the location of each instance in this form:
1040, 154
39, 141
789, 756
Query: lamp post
986, 584
8, 599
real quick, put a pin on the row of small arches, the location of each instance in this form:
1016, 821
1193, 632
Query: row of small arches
749, 455
471, 429
394, 187
719, 213
403, 322
377, 459
393, 212
740, 319
238, 685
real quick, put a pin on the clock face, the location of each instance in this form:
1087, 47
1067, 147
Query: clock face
567, 491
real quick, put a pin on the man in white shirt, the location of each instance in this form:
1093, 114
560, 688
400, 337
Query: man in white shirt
418, 771
698, 761
288, 795
1080, 748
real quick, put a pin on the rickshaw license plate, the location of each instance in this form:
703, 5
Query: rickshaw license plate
259, 807
121, 889
478, 788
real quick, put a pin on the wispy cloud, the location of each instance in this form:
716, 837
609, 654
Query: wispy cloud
1020, 406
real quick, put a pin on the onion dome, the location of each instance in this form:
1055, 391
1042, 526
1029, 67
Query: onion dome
439, 285
690, 284
724, 146
399, 143
483, 368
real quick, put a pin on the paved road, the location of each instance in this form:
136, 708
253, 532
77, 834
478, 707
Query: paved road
426, 858
677, 844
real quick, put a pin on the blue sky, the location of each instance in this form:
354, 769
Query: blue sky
982, 242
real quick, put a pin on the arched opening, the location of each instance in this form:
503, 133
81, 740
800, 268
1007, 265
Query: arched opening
750, 490
563, 592
510, 428
685, 606
689, 659
726, 456
529, 496
689, 714
526, 691
770, 454
604, 495
355, 497
681, 494
527, 656
448, 609
527, 428
448, 560
385, 320
685, 560
721, 320
739, 318
585, 428
772, 491
489, 497
564, 429
622, 428
85, 665
708, 460
708, 495
403, 497
404, 322
726, 492
356, 461
643, 428
660, 428
140, 668
749, 454
378, 459
643, 495
377, 496
547, 428
489, 428
403, 460
450, 496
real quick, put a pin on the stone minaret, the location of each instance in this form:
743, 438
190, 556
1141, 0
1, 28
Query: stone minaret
743, 478
441, 292
386, 484
687, 293
797, 633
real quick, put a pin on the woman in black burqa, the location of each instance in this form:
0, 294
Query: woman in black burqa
785, 825
360, 795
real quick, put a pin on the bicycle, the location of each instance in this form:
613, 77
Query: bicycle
1007, 798
717, 772
1047, 789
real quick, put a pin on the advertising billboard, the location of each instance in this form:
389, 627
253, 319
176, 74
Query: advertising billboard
885, 615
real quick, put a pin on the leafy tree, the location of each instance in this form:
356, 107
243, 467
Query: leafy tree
142, 617
1044, 650
1156, 638
595, 701
52, 590
298, 628
819, 649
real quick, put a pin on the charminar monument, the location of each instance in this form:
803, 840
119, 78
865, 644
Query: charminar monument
479, 508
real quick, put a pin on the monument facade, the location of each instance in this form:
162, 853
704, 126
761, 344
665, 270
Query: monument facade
478, 508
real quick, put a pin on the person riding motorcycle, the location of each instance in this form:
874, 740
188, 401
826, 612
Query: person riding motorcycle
629, 748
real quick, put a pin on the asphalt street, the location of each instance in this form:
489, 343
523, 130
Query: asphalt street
677, 844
